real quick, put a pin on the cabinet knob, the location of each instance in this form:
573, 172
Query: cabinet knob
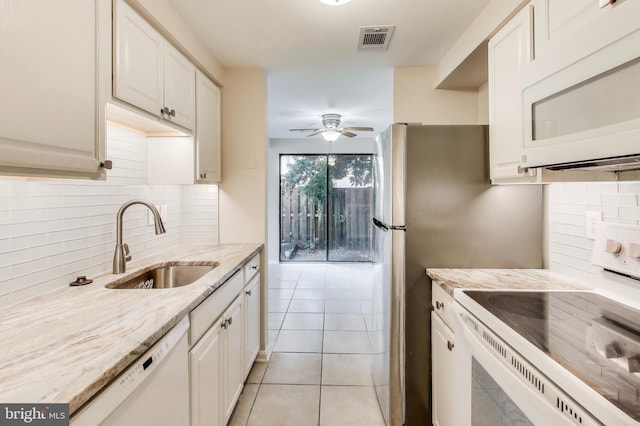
230, 321
450, 345
439, 305
248, 292
254, 267
106, 164
203, 175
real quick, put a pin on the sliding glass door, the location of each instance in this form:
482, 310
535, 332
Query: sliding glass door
326, 204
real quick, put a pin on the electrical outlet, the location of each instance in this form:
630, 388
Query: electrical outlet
162, 209
593, 218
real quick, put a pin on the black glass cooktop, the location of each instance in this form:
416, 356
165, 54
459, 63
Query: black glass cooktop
594, 337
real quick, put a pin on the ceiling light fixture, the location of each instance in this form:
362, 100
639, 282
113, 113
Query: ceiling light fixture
335, 2
330, 136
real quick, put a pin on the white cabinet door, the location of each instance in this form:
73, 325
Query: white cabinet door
443, 373
251, 323
233, 360
510, 50
149, 73
208, 148
206, 372
179, 88
138, 61
52, 84
558, 19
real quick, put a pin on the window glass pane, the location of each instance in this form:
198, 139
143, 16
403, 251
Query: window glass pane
303, 193
350, 208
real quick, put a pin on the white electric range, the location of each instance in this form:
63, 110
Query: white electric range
556, 357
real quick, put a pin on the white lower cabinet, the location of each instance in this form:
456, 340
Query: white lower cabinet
225, 339
251, 322
217, 372
443, 367
232, 347
205, 364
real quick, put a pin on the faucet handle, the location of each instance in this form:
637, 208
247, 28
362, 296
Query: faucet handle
127, 253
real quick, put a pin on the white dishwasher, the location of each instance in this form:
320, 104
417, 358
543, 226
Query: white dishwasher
153, 391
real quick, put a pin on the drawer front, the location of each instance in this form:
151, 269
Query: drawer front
251, 268
208, 311
442, 304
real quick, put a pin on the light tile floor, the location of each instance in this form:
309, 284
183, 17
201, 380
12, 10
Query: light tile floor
320, 368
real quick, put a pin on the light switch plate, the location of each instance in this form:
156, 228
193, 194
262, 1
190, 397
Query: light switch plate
593, 218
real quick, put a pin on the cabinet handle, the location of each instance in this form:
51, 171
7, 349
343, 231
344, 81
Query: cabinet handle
169, 112
439, 305
450, 345
248, 292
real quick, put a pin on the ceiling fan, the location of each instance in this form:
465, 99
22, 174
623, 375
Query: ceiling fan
332, 130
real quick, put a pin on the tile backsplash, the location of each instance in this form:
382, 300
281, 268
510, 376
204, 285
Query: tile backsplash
54, 230
569, 248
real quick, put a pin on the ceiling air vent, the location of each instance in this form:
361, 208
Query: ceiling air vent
375, 37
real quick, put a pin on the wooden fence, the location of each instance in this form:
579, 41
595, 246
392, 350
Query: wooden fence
348, 217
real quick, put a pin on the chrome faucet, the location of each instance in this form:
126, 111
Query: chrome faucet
122, 256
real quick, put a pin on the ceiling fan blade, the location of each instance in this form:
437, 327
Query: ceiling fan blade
304, 130
360, 129
347, 133
317, 132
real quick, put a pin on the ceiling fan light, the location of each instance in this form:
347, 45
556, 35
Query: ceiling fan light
335, 2
331, 136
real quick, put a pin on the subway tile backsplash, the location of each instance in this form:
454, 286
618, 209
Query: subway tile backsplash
569, 248
54, 230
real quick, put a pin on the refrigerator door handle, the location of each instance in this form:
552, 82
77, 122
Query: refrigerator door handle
380, 224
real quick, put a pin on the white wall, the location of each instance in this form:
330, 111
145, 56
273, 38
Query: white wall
244, 139
416, 100
54, 230
298, 146
569, 249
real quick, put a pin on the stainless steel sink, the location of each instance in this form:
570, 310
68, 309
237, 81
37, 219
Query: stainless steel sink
166, 275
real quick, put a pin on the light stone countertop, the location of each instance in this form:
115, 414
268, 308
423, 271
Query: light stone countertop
66, 345
500, 279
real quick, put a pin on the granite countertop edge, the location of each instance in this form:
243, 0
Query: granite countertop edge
65, 345
451, 279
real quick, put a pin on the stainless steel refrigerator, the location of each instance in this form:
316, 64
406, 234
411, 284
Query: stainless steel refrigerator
435, 208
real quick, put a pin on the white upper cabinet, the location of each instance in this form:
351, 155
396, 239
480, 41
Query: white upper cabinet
149, 73
567, 31
138, 71
54, 58
208, 147
557, 19
179, 88
510, 50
